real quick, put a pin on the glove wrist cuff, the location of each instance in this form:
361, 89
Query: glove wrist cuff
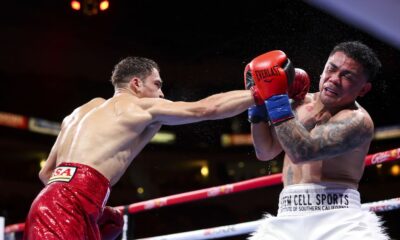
257, 113
279, 109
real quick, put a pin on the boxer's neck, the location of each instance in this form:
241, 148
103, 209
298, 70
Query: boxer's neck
119, 91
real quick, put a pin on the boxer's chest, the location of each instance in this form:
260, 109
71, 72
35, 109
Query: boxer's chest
310, 116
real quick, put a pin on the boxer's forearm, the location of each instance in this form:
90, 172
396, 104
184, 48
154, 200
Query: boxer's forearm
229, 104
217, 106
265, 142
324, 141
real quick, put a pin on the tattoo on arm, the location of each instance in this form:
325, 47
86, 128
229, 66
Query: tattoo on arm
326, 140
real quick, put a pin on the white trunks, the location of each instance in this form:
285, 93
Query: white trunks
300, 199
321, 211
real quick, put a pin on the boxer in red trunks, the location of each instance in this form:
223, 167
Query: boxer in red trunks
70, 205
99, 140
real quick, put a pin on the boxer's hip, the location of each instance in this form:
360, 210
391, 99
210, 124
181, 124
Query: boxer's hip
70, 205
82, 180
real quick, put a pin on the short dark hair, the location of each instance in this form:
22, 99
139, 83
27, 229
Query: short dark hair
362, 54
132, 67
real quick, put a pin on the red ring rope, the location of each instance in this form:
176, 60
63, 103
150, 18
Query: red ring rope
265, 181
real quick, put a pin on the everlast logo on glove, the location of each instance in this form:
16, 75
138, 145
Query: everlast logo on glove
264, 74
62, 174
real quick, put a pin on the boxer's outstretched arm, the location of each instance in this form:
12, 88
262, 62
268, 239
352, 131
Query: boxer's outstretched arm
218, 106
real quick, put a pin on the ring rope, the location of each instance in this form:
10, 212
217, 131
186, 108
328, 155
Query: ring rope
248, 227
265, 181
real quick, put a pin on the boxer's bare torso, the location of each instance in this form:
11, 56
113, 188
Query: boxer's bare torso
347, 165
108, 134
329, 138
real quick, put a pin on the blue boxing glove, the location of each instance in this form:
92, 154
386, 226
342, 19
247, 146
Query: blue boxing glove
257, 113
279, 108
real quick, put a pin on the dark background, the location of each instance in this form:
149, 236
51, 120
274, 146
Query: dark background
53, 59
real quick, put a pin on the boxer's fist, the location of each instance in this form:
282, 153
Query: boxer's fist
258, 112
297, 91
300, 86
272, 73
248, 78
249, 85
110, 223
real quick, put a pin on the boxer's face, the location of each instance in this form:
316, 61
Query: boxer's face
342, 81
151, 86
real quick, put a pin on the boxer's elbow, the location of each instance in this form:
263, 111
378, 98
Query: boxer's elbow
265, 146
266, 155
262, 156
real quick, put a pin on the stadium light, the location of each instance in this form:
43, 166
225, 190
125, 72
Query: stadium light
90, 7
76, 5
104, 4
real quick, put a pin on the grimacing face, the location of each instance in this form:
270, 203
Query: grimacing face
342, 81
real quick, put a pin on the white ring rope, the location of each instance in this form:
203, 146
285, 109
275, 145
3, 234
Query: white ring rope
248, 227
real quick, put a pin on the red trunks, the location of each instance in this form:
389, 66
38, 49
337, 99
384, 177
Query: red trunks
70, 205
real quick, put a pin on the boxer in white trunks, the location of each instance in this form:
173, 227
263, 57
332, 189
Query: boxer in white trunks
325, 137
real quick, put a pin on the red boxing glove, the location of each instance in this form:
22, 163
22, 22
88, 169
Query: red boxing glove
300, 86
110, 223
272, 73
249, 85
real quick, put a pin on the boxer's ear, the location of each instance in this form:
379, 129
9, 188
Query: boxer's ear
135, 84
365, 89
